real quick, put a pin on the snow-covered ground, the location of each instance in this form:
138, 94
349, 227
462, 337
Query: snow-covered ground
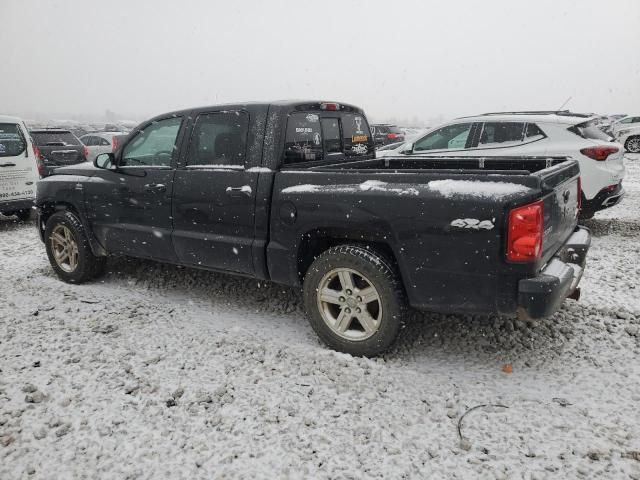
162, 372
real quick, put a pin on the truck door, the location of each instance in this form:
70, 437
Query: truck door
130, 209
214, 196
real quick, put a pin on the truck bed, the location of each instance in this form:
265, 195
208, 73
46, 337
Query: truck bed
426, 210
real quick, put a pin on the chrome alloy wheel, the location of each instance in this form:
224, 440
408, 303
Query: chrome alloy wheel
349, 304
633, 145
64, 248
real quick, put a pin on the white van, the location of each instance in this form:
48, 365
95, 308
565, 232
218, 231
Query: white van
18, 170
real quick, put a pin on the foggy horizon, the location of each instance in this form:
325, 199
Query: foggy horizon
407, 63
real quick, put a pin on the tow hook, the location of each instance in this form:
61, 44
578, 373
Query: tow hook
575, 295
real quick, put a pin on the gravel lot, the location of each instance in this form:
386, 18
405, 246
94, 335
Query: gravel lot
162, 372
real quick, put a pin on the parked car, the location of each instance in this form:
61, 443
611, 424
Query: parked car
622, 124
384, 134
538, 134
100, 142
630, 138
291, 192
57, 147
18, 173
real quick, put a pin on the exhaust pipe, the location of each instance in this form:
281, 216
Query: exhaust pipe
575, 295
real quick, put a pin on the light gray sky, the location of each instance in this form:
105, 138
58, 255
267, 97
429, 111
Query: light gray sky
396, 59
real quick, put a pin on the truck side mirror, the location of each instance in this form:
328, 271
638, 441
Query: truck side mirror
105, 161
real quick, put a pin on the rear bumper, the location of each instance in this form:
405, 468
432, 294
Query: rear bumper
542, 295
604, 199
13, 205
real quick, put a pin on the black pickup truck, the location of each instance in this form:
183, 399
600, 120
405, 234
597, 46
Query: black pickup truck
292, 192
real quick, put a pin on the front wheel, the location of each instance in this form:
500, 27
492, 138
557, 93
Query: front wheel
354, 300
68, 249
632, 145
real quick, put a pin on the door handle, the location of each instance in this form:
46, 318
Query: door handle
155, 187
244, 190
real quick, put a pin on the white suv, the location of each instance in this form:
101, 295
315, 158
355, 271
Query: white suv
630, 138
629, 121
533, 134
18, 170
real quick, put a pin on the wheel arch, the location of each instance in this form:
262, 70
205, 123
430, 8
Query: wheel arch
314, 242
46, 209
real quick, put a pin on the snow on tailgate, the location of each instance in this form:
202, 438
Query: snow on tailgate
476, 188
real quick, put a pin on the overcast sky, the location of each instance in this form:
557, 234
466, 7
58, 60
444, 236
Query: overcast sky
396, 59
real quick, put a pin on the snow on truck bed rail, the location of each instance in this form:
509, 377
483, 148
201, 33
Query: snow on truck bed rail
447, 188
476, 188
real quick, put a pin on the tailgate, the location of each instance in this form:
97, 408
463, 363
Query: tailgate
561, 193
55, 156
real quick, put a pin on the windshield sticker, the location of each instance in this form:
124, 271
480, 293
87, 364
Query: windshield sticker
312, 118
316, 139
358, 121
359, 139
304, 130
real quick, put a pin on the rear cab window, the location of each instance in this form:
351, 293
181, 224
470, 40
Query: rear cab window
54, 139
331, 135
12, 140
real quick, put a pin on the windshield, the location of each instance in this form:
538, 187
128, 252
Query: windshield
12, 142
54, 139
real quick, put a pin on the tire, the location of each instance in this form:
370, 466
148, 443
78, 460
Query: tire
359, 325
80, 264
632, 145
23, 215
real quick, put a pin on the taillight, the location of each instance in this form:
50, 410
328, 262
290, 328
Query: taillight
579, 193
599, 153
391, 136
330, 106
114, 144
524, 233
85, 152
39, 161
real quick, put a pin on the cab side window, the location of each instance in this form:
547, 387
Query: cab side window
451, 137
219, 139
154, 145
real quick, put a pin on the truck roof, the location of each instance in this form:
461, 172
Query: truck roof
285, 104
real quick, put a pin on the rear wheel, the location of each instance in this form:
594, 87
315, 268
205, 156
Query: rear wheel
68, 249
632, 144
354, 300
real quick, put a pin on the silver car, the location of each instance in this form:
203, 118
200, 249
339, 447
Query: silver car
100, 142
